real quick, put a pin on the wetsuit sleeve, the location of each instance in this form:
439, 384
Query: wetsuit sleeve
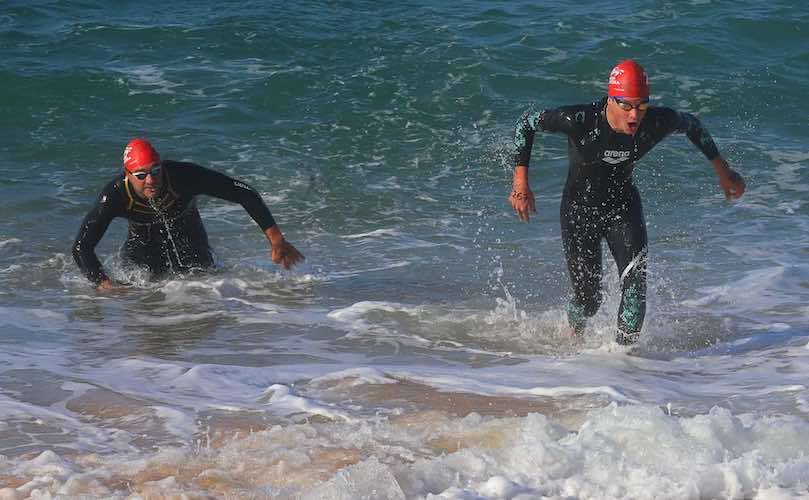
688, 124
550, 120
212, 183
92, 229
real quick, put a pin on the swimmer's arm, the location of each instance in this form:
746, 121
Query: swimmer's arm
731, 182
521, 197
283, 252
91, 231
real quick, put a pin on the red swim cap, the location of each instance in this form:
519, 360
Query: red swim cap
628, 79
138, 153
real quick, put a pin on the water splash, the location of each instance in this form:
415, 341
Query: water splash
167, 225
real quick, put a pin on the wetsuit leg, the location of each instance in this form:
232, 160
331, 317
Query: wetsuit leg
198, 253
133, 252
150, 256
626, 237
581, 239
146, 246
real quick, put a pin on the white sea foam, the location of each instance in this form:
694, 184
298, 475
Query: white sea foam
375, 233
356, 311
9, 242
284, 400
150, 79
356, 376
33, 318
177, 423
616, 452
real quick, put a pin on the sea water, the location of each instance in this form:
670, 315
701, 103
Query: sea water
421, 349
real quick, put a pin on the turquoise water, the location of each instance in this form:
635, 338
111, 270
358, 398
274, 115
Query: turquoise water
419, 352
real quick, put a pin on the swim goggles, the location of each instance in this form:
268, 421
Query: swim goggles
141, 175
628, 106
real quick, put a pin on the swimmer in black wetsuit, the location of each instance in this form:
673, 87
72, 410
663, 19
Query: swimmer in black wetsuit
600, 200
166, 233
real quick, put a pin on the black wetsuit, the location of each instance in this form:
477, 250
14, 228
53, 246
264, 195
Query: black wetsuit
600, 199
171, 238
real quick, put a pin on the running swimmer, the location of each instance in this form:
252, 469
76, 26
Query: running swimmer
166, 233
600, 201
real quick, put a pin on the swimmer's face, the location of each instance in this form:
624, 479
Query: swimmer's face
625, 114
146, 181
